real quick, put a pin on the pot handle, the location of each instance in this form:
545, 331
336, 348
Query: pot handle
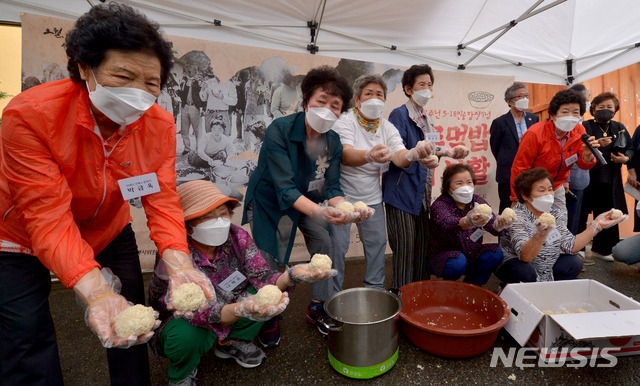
335, 328
395, 291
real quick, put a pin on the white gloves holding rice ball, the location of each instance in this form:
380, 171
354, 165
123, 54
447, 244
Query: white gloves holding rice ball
379, 154
479, 216
319, 268
505, 220
422, 150
111, 318
267, 303
545, 224
610, 218
177, 267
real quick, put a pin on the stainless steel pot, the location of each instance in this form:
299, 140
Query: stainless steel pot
365, 342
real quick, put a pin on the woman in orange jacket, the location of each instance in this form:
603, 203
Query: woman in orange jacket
72, 153
555, 144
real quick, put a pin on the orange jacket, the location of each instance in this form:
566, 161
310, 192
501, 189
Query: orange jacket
539, 147
59, 192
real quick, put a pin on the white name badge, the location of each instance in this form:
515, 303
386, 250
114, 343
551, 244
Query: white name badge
477, 235
231, 282
384, 167
138, 186
571, 160
553, 236
316, 184
432, 137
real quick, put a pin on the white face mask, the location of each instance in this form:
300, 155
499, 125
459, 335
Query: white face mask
372, 108
522, 104
463, 194
123, 105
212, 232
320, 119
543, 203
421, 97
566, 124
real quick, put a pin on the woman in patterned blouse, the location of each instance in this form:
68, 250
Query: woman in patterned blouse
537, 251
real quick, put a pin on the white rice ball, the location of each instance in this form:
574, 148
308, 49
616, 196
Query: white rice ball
508, 213
136, 320
269, 295
345, 207
433, 157
320, 262
464, 148
547, 218
360, 205
483, 209
188, 297
616, 214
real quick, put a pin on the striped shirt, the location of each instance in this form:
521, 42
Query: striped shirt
524, 228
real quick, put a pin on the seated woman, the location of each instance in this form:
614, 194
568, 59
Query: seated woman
535, 250
220, 250
456, 229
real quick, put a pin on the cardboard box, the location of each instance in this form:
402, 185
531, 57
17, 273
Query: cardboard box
586, 314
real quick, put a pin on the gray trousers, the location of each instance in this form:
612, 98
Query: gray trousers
373, 235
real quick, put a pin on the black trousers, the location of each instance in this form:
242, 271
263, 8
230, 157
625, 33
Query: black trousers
29, 353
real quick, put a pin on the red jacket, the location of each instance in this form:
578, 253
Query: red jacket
59, 192
539, 147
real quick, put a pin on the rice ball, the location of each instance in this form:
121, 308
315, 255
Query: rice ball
616, 214
433, 157
462, 148
483, 209
269, 295
421, 143
188, 297
360, 205
508, 214
547, 218
136, 320
320, 262
345, 207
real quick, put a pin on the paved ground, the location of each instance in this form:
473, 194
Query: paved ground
302, 355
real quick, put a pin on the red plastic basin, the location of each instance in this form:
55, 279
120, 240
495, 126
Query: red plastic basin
450, 318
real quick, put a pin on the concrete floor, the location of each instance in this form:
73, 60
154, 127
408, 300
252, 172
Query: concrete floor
302, 355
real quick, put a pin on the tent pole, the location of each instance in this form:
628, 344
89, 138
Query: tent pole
610, 59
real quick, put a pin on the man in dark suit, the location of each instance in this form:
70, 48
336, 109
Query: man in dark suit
506, 132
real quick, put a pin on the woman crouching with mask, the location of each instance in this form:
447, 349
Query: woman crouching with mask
457, 225
539, 247
227, 255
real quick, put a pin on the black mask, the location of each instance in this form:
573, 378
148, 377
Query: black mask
604, 115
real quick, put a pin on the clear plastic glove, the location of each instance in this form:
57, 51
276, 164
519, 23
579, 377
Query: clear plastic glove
365, 213
458, 152
98, 292
543, 229
177, 267
301, 273
379, 153
429, 162
477, 219
330, 215
423, 149
502, 223
605, 220
248, 308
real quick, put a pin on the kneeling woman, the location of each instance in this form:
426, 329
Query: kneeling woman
535, 250
457, 227
227, 255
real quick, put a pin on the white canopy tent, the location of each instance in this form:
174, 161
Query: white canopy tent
540, 41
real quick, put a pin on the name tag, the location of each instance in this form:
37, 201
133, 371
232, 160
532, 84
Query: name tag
571, 160
316, 184
384, 167
477, 235
138, 186
553, 236
231, 282
432, 137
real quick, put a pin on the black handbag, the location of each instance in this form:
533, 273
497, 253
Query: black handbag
620, 142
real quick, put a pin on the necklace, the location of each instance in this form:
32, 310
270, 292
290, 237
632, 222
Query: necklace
605, 132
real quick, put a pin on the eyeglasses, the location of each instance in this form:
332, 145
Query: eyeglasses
518, 97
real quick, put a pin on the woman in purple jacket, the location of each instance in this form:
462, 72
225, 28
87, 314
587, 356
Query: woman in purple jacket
457, 226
